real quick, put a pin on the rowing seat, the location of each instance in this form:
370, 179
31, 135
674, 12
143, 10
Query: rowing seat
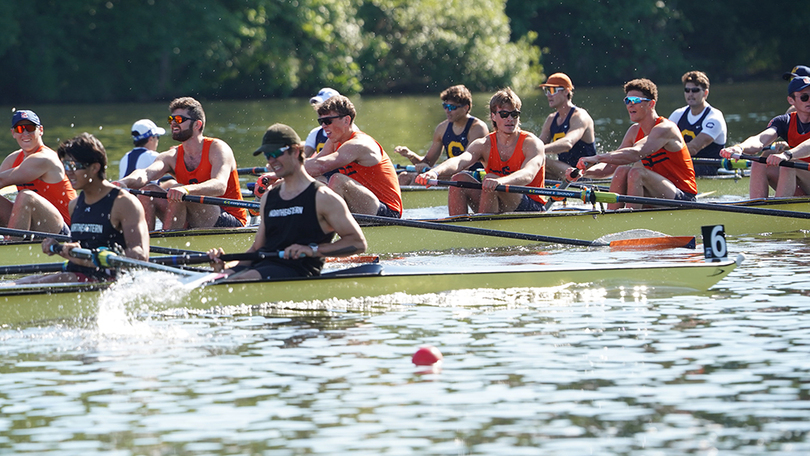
372, 269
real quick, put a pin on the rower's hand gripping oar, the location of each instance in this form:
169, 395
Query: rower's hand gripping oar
784, 163
591, 196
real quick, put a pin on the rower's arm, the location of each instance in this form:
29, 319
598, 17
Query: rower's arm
163, 164
334, 215
753, 144
699, 143
128, 216
31, 169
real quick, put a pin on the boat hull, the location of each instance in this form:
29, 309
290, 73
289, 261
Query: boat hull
81, 301
578, 224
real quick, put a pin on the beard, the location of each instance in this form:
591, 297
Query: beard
182, 135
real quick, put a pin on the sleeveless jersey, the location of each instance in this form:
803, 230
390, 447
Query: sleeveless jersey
794, 138
676, 167
320, 140
90, 225
456, 144
580, 148
504, 168
294, 221
203, 173
58, 194
381, 178
690, 131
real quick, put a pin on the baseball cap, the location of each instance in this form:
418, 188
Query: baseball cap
145, 128
25, 115
558, 80
277, 136
798, 83
325, 94
798, 70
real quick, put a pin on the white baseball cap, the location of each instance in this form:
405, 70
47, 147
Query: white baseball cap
145, 128
325, 94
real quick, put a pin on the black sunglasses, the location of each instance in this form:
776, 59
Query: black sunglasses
692, 89
73, 166
276, 153
178, 119
504, 114
328, 120
804, 97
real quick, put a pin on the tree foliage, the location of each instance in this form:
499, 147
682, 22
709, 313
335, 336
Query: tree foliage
113, 50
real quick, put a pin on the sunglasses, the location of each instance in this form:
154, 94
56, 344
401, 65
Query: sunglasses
553, 90
73, 165
634, 100
276, 153
692, 89
504, 114
178, 119
328, 120
804, 97
450, 107
30, 128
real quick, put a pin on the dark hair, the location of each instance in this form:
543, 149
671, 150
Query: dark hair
457, 94
645, 86
141, 142
339, 104
194, 108
697, 78
501, 98
87, 149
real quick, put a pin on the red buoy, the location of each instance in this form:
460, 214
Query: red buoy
427, 356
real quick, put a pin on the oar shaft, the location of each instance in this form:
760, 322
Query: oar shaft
589, 196
784, 163
203, 257
473, 230
256, 171
201, 199
26, 234
31, 268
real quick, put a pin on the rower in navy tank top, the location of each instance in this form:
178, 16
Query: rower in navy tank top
580, 149
691, 130
456, 144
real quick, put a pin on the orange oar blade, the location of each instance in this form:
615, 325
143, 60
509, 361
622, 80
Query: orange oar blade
354, 259
654, 243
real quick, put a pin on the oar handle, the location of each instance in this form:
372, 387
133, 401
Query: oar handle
784, 163
204, 258
256, 171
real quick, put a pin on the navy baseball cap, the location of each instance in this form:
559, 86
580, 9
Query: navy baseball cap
798, 83
24, 114
798, 70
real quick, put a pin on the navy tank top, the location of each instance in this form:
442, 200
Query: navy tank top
90, 223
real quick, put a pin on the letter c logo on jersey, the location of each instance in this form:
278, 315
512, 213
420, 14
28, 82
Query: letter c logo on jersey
558, 136
688, 135
454, 149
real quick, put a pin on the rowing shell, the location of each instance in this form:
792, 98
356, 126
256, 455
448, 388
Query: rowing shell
30, 303
572, 223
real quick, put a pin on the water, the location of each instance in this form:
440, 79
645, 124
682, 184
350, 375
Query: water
568, 370
564, 371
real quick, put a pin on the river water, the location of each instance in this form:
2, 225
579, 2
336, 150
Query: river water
571, 370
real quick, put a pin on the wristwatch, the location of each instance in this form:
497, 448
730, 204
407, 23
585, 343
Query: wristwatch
314, 248
788, 154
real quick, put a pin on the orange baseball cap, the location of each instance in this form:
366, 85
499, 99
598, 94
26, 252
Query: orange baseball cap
558, 80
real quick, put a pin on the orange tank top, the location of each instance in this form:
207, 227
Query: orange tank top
59, 194
203, 173
794, 137
504, 168
381, 178
675, 167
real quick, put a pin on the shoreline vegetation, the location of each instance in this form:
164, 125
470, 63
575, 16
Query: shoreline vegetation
105, 51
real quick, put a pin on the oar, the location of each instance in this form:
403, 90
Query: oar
651, 243
563, 185
31, 268
256, 171
590, 196
647, 242
201, 199
785, 163
109, 259
724, 163
27, 234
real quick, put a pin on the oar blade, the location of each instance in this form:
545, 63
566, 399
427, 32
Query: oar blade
654, 243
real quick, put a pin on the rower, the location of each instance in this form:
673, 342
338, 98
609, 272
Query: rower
793, 127
568, 132
299, 218
452, 134
103, 216
510, 156
202, 166
43, 189
652, 160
